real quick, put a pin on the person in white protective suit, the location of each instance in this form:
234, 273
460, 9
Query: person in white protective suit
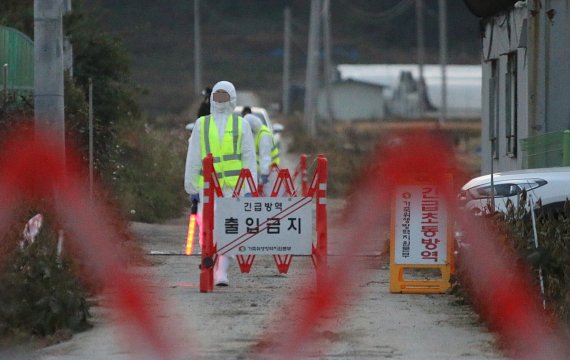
230, 141
263, 140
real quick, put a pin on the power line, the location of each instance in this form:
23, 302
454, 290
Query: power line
236, 26
299, 45
431, 12
298, 25
382, 16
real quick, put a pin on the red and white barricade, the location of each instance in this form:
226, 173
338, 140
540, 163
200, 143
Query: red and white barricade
301, 170
299, 174
281, 226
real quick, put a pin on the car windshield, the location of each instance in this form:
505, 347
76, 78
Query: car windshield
500, 190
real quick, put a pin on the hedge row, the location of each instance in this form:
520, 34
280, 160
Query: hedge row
514, 232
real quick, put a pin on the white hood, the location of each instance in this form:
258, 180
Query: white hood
221, 111
254, 122
223, 108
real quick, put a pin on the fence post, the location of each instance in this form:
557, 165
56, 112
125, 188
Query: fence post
303, 170
322, 246
566, 148
207, 263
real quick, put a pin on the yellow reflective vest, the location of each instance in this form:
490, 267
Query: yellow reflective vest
264, 131
227, 154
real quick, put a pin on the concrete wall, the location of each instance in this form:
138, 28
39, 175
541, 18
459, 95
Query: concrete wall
503, 35
353, 101
549, 52
539, 34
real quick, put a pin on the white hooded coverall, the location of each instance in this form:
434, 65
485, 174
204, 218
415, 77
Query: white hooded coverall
264, 152
220, 113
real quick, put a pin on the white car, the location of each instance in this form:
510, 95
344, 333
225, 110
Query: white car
550, 185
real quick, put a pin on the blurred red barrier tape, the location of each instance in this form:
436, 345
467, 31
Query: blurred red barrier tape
32, 168
525, 328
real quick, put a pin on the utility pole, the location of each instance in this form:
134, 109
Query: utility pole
285, 109
312, 68
48, 70
67, 46
328, 69
443, 58
197, 50
421, 52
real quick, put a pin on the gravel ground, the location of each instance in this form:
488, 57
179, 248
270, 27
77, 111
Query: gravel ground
232, 322
238, 321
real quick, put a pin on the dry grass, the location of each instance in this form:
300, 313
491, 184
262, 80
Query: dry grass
348, 145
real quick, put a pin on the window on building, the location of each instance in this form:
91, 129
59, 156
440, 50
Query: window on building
511, 105
494, 108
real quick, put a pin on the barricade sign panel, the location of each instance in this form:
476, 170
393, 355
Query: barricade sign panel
263, 226
420, 214
421, 234
278, 226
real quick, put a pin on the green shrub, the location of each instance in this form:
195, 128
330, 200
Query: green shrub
514, 232
39, 293
342, 150
552, 256
148, 178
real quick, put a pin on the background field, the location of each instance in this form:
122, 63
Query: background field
243, 42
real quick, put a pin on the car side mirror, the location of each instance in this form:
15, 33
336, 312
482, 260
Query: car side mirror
278, 128
462, 196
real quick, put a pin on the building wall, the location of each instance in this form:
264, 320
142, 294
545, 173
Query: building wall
463, 83
538, 32
353, 101
549, 51
505, 118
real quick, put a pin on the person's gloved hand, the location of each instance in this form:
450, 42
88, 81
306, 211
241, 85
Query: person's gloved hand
195, 199
264, 179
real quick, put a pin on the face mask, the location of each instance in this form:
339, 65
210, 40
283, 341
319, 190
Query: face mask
221, 107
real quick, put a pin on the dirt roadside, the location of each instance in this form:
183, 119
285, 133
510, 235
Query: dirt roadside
230, 322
